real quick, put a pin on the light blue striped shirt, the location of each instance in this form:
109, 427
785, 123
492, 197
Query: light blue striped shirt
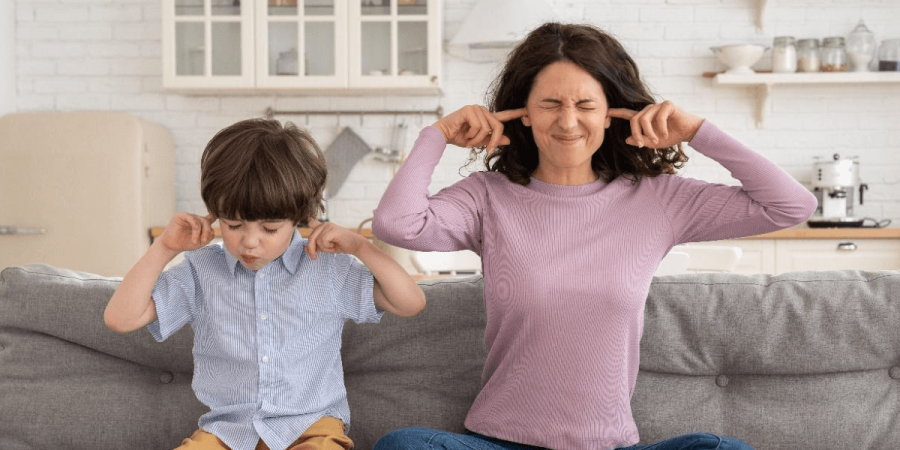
267, 343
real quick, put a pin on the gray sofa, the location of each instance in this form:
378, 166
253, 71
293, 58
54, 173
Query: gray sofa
802, 360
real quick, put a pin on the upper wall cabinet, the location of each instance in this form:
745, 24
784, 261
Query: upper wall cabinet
302, 45
207, 44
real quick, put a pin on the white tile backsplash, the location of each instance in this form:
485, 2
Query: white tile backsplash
103, 55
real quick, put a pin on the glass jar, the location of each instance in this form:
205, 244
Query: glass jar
860, 47
889, 55
784, 55
808, 55
287, 63
834, 55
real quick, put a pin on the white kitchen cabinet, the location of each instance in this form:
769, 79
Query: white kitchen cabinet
758, 254
207, 44
302, 45
834, 254
776, 256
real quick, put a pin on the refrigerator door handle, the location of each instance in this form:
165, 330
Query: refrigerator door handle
12, 229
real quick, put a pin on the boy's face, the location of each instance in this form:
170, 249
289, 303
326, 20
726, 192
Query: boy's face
256, 244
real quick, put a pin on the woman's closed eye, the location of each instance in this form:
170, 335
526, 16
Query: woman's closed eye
582, 105
270, 231
550, 105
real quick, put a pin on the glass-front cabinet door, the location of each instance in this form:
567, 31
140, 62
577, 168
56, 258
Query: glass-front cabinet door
208, 44
395, 43
301, 43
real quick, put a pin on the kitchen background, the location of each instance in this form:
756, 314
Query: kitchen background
106, 55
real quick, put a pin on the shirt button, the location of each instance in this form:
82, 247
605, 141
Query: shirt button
265, 359
263, 316
262, 275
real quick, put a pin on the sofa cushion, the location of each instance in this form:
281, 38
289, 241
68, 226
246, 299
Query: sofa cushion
66, 381
419, 371
806, 359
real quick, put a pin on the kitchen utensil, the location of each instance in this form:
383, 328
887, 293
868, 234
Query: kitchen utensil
835, 184
739, 57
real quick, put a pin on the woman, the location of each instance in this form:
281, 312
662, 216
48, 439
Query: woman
577, 207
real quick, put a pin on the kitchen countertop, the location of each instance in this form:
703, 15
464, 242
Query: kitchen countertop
805, 232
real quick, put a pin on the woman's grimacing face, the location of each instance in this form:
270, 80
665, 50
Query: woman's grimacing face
255, 244
567, 113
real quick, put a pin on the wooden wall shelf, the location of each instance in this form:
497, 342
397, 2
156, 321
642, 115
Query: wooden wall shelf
763, 82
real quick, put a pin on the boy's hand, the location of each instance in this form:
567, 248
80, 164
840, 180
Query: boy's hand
187, 232
330, 238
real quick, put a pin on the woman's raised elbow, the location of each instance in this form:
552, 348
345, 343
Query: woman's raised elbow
807, 208
798, 212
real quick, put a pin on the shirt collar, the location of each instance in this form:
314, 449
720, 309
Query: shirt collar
294, 254
290, 259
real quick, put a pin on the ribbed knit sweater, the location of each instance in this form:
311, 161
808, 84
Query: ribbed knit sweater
566, 275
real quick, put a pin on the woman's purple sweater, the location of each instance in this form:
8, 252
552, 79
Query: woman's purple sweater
566, 274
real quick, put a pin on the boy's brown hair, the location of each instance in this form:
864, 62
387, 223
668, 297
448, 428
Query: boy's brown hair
259, 169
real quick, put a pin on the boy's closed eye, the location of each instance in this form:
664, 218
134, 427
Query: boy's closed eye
268, 227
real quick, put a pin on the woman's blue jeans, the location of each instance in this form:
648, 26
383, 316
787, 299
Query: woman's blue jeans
416, 438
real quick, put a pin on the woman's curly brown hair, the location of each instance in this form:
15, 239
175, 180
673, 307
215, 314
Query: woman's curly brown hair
600, 55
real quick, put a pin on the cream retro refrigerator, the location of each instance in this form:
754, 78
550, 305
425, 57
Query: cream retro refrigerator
80, 190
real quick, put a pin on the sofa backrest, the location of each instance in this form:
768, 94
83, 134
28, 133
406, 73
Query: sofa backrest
67, 381
422, 371
799, 360
807, 359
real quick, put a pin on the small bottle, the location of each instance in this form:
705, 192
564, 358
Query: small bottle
784, 55
834, 55
808, 55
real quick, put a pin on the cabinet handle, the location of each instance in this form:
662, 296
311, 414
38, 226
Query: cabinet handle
12, 229
846, 246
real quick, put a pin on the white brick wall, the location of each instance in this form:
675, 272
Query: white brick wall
105, 55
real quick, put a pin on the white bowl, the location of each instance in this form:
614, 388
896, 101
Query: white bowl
739, 57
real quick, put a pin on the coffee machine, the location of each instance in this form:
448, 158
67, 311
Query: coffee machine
835, 184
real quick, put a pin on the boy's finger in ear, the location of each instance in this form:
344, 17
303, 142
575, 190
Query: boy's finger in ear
196, 228
312, 241
311, 249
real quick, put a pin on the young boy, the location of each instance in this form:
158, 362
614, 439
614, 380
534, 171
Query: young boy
268, 307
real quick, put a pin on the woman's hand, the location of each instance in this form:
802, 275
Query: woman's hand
659, 125
187, 232
330, 238
475, 126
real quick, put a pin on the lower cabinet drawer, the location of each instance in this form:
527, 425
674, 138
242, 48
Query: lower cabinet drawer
835, 254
